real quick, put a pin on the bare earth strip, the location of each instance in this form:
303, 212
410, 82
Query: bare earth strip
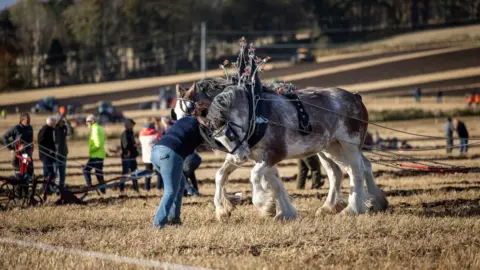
412, 80
376, 62
110, 87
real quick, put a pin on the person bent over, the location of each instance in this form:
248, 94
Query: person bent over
168, 156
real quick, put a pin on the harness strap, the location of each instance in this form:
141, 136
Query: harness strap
304, 125
208, 138
261, 111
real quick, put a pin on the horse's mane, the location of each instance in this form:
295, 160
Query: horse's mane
214, 86
222, 104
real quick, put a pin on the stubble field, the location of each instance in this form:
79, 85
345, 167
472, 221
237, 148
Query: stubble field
432, 221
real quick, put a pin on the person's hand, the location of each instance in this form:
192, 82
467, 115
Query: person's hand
128, 153
20, 148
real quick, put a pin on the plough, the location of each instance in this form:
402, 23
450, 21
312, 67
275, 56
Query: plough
21, 188
436, 169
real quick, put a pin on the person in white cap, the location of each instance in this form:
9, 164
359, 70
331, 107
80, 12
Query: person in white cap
96, 152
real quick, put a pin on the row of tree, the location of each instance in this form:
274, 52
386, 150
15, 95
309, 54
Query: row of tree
52, 42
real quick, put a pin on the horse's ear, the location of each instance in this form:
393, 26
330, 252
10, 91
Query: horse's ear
179, 90
192, 91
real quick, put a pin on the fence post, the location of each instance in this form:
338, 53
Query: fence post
203, 56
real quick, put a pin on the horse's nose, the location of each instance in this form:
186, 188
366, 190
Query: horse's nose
244, 159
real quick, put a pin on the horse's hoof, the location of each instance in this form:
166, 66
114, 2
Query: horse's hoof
280, 216
223, 215
349, 211
325, 210
374, 204
331, 209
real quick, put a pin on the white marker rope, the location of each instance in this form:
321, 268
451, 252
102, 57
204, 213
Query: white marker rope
98, 255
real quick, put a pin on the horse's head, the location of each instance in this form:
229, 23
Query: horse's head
185, 104
228, 120
197, 99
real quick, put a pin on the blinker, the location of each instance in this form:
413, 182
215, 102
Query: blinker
173, 114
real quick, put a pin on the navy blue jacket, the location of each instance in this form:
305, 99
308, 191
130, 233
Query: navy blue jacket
19, 130
183, 136
462, 130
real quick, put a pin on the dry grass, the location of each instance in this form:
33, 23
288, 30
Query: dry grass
427, 104
426, 226
426, 39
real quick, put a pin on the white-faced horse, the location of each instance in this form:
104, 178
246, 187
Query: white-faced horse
339, 128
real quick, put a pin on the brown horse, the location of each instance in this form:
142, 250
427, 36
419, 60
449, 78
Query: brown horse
340, 125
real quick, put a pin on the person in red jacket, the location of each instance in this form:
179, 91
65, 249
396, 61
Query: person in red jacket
148, 137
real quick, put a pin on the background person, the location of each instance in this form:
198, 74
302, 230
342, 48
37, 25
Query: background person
448, 131
96, 152
312, 164
129, 153
462, 135
46, 149
166, 123
63, 129
191, 163
24, 132
148, 137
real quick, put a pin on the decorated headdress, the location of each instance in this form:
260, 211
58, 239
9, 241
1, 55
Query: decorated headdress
247, 67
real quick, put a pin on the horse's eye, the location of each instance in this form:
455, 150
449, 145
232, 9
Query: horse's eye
229, 133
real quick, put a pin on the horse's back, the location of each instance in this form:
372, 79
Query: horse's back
340, 103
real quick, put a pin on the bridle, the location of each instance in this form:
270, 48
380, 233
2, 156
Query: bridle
231, 135
187, 106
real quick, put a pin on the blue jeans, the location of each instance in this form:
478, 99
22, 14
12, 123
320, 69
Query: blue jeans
148, 180
129, 166
170, 166
48, 170
60, 167
463, 145
97, 164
